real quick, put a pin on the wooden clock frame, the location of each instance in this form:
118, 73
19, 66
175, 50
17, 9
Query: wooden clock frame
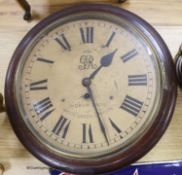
121, 159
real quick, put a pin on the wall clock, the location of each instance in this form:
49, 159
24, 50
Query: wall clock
90, 89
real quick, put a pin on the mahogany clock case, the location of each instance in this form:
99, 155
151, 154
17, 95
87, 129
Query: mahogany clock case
121, 159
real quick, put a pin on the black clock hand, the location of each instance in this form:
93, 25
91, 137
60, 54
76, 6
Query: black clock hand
105, 61
97, 114
87, 82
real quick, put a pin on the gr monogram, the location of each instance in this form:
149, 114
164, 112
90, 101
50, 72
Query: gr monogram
87, 62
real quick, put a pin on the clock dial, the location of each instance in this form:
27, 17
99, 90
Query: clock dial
89, 87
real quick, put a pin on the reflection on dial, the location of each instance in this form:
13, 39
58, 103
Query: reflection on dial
113, 104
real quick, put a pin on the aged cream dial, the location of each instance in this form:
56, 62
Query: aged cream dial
88, 87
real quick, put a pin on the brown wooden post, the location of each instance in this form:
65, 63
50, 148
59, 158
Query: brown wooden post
25, 5
2, 108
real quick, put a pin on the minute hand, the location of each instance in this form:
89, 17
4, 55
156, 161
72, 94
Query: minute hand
105, 61
102, 127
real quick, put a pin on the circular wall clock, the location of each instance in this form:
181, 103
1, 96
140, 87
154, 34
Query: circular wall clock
90, 89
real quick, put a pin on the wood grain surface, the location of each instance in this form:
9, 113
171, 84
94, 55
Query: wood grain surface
164, 15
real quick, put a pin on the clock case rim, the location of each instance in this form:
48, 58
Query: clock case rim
140, 148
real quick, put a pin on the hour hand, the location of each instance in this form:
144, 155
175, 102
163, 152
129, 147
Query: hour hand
105, 61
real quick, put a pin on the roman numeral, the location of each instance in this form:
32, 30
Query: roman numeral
87, 34
132, 105
110, 39
61, 126
87, 133
45, 61
44, 108
63, 42
39, 85
115, 126
128, 56
137, 80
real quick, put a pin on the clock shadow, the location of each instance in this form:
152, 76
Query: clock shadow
54, 6
47, 7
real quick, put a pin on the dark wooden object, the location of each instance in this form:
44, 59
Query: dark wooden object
2, 108
27, 8
179, 66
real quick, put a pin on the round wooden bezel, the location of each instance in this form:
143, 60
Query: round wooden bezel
121, 159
